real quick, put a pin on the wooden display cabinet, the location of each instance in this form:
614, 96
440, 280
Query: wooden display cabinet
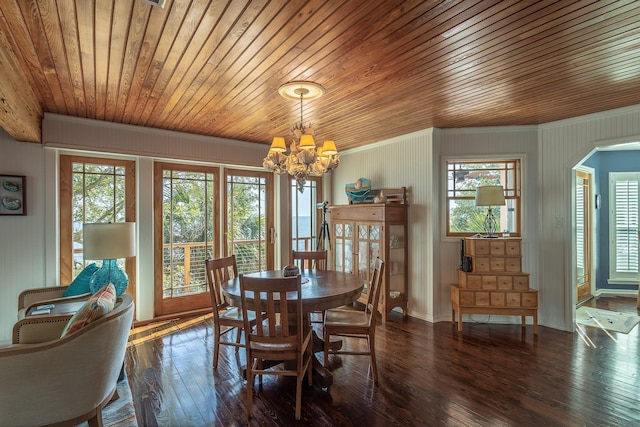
362, 232
496, 283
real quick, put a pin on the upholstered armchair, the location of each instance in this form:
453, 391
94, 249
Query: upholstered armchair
50, 295
63, 381
78, 290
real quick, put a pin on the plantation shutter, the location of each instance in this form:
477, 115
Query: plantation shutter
580, 226
626, 226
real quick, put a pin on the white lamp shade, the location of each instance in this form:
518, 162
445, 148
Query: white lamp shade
109, 240
490, 195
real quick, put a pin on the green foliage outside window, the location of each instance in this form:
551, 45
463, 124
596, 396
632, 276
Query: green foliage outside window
98, 196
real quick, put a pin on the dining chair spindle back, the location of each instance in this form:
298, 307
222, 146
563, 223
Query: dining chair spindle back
224, 316
356, 324
309, 260
281, 333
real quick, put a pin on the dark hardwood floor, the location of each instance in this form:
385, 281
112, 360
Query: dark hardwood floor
491, 375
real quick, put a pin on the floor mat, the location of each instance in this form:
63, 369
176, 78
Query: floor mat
610, 320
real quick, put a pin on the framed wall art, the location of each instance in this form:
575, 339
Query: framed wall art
13, 195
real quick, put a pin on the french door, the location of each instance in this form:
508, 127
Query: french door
94, 190
186, 213
583, 236
307, 212
249, 223
189, 202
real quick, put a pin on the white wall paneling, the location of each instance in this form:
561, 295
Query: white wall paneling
488, 143
22, 238
402, 162
144, 223
562, 146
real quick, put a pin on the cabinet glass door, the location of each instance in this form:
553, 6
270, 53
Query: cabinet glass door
344, 247
396, 262
368, 251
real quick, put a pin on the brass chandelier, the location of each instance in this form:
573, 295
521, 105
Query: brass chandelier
304, 158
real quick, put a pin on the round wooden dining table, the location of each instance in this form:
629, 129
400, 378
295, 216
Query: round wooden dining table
321, 290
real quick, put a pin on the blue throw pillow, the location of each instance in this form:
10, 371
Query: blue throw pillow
80, 284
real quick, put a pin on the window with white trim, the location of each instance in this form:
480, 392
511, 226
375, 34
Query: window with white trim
624, 193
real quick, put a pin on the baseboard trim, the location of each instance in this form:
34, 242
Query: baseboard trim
616, 292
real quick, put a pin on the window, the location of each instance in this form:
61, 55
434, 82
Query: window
464, 218
623, 226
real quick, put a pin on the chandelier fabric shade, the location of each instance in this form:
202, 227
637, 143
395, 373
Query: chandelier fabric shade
305, 158
307, 142
329, 148
278, 145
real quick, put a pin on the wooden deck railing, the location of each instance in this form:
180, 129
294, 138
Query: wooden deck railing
188, 274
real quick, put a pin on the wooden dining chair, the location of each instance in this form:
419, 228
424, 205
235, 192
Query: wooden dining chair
310, 260
356, 324
280, 334
224, 316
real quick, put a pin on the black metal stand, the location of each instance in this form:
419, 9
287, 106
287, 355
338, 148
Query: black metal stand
324, 235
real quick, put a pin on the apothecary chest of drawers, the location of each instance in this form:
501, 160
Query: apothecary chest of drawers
495, 282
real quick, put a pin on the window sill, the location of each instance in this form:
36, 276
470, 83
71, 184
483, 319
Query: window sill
623, 281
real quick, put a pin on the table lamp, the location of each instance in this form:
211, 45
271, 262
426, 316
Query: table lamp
490, 195
109, 242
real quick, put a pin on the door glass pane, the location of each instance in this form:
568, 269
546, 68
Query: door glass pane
374, 251
348, 256
348, 230
98, 196
304, 214
187, 231
363, 232
374, 232
339, 255
363, 262
247, 221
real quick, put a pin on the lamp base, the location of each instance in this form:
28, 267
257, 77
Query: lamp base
490, 224
109, 273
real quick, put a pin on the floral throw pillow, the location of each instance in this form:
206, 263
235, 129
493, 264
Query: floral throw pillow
97, 306
80, 284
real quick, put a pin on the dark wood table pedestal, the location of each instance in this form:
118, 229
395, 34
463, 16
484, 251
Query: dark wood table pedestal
322, 376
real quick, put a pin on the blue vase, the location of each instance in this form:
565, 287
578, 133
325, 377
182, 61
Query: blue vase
109, 273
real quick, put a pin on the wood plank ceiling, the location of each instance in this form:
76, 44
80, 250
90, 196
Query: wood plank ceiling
389, 67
